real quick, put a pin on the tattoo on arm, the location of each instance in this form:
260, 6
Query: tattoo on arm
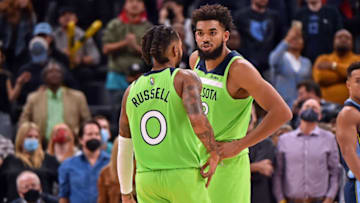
192, 102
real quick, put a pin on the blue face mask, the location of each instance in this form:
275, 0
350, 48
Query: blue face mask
104, 135
31, 144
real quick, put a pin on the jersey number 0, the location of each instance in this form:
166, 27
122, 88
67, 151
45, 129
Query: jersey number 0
163, 127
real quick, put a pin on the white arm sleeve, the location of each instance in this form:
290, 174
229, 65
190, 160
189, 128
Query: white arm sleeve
125, 164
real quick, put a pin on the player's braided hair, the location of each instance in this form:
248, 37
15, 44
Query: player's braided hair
155, 42
214, 12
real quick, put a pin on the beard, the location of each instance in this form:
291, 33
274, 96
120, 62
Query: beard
211, 55
342, 50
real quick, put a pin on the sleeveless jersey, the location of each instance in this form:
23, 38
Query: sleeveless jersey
161, 131
229, 117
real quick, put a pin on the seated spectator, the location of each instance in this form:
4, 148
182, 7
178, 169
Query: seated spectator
330, 69
288, 67
86, 57
108, 183
29, 189
62, 142
121, 43
8, 94
29, 155
105, 133
78, 176
310, 90
319, 24
17, 18
6, 148
307, 161
54, 103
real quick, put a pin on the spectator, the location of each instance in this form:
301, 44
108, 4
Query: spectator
121, 44
17, 18
319, 23
78, 176
108, 183
260, 31
8, 94
29, 189
330, 69
55, 104
62, 142
171, 12
86, 57
29, 155
262, 157
310, 90
105, 133
45, 31
6, 148
234, 42
288, 67
307, 161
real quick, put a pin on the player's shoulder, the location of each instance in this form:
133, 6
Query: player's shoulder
349, 113
185, 74
193, 58
241, 65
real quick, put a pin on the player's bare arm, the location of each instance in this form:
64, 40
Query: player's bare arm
124, 131
346, 135
188, 87
244, 80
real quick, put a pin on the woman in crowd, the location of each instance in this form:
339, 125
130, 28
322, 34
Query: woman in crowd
29, 155
62, 142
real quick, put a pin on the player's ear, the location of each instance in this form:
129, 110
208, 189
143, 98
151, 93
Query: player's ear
226, 36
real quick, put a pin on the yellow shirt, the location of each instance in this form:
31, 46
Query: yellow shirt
333, 82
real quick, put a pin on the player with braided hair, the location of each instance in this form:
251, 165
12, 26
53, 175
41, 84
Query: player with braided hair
161, 116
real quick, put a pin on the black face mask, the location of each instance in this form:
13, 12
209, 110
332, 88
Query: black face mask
32, 195
309, 115
93, 144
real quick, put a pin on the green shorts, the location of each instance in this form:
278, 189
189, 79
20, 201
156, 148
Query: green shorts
231, 181
175, 186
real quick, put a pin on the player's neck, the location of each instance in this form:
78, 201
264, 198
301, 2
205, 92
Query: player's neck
157, 66
213, 63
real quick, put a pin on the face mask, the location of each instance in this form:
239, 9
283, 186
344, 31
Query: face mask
104, 135
32, 195
309, 115
93, 144
31, 144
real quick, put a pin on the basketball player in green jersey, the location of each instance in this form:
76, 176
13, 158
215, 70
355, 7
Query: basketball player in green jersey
160, 118
230, 84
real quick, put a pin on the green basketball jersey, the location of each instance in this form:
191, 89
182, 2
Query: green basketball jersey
229, 117
161, 131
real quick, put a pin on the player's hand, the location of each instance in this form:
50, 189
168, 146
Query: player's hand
212, 163
127, 198
228, 149
266, 167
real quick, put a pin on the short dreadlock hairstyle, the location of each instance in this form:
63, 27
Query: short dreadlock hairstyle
214, 12
155, 42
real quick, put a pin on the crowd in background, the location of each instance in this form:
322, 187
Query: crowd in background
55, 104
